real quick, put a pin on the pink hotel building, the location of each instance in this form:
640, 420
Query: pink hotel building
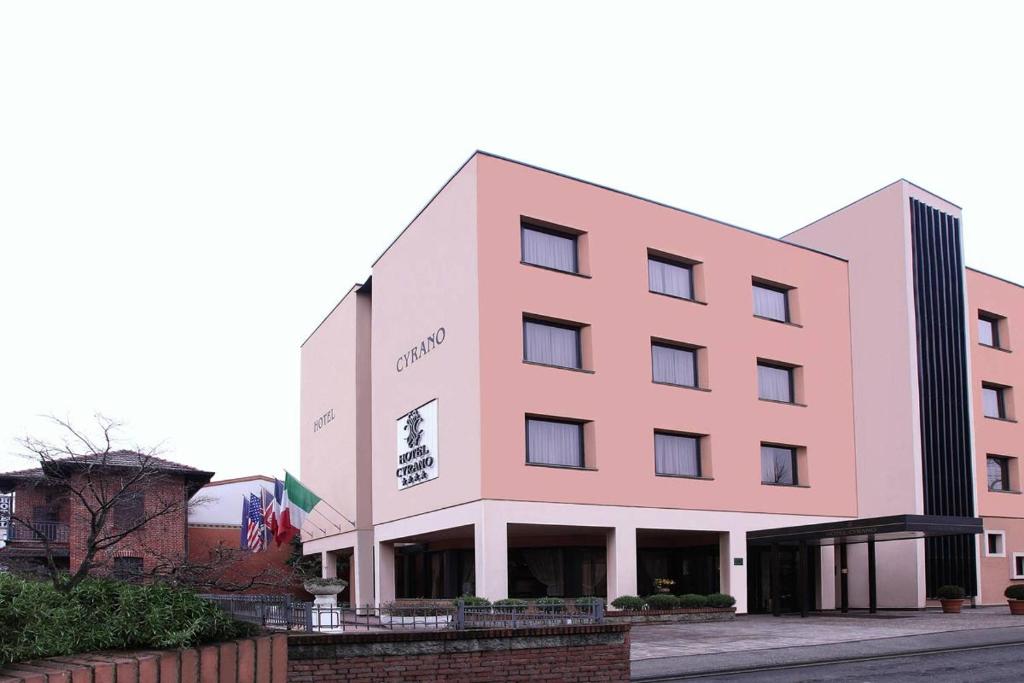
549, 387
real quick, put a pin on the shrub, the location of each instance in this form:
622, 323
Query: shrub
721, 600
628, 602
1014, 591
473, 601
662, 601
36, 621
692, 601
950, 593
589, 601
511, 604
550, 604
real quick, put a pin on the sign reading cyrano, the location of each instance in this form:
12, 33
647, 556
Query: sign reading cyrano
425, 346
417, 446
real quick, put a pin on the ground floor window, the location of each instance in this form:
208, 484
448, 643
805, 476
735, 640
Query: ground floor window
557, 572
694, 569
432, 574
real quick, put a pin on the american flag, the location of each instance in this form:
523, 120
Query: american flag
255, 528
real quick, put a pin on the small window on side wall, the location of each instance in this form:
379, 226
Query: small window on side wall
993, 398
677, 455
771, 301
988, 330
998, 471
779, 465
775, 382
126, 568
670, 277
549, 248
1018, 565
555, 442
551, 343
995, 544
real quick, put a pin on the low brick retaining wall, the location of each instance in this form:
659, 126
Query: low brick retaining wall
253, 660
563, 653
660, 616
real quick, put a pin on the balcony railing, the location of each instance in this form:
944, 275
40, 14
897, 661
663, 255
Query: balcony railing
54, 532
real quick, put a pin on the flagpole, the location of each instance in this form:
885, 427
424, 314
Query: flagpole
324, 501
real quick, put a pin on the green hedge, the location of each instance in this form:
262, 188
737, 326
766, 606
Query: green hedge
628, 602
662, 601
692, 601
38, 621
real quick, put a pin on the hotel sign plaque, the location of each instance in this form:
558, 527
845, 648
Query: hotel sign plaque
416, 434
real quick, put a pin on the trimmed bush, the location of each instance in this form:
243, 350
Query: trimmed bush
473, 601
628, 602
950, 593
721, 600
692, 601
662, 601
550, 604
37, 621
1014, 591
511, 604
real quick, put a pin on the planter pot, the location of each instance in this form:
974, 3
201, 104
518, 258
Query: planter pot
951, 606
325, 589
1016, 607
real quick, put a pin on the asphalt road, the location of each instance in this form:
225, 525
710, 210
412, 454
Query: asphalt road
986, 664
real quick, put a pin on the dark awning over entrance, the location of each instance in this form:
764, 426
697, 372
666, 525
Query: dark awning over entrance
893, 528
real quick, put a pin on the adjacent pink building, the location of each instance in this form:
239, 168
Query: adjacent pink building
552, 388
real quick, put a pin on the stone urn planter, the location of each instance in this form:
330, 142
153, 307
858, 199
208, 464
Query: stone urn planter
326, 614
951, 598
1015, 597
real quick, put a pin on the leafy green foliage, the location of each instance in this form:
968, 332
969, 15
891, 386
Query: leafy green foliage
662, 601
1014, 591
628, 602
721, 600
473, 601
950, 593
692, 601
589, 601
515, 603
550, 604
37, 620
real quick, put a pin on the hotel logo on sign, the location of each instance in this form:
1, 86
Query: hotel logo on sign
417, 446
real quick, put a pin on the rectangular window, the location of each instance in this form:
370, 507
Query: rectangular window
993, 401
998, 473
554, 442
995, 544
127, 567
128, 510
771, 302
774, 382
988, 330
674, 365
549, 249
551, 344
1018, 565
669, 277
778, 465
676, 454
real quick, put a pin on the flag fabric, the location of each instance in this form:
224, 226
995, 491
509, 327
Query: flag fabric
243, 541
269, 517
295, 501
255, 528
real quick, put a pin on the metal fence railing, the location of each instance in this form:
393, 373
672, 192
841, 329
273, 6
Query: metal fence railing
283, 612
54, 532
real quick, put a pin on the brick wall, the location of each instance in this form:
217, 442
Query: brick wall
565, 653
253, 660
204, 543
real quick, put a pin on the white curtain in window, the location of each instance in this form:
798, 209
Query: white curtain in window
985, 332
990, 402
546, 566
552, 251
554, 443
995, 475
777, 465
669, 278
674, 366
774, 383
551, 345
674, 454
769, 303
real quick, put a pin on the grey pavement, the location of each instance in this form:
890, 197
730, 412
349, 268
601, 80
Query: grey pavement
667, 650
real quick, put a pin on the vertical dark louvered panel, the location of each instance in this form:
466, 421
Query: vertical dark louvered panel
944, 392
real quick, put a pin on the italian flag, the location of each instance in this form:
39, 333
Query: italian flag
295, 502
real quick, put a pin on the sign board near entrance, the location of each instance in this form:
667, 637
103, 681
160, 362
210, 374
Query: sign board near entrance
416, 433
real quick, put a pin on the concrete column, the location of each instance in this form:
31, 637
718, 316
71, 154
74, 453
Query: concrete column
362, 590
490, 554
328, 564
827, 578
620, 555
732, 545
384, 560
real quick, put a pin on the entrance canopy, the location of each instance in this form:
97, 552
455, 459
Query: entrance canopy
892, 528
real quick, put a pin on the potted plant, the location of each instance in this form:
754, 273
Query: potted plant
664, 585
325, 586
550, 605
951, 597
628, 603
510, 606
1015, 596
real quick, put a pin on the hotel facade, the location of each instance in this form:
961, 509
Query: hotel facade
552, 388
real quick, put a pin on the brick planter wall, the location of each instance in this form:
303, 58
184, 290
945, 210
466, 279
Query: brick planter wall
660, 616
563, 653
253, 660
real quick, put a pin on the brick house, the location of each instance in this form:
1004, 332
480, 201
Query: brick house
44, 498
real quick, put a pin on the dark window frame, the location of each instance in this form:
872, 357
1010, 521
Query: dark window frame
134, 571
1004, 472
784, 290
993, 321
129, 510
1000, 540
526, 224
794, 462
565, 325
1000, 400
775, 365
699, 438
678, 346
679, 262
561, 420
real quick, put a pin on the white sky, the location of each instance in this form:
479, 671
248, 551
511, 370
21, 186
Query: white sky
187, 188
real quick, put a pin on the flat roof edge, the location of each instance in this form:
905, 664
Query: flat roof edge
353, 288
